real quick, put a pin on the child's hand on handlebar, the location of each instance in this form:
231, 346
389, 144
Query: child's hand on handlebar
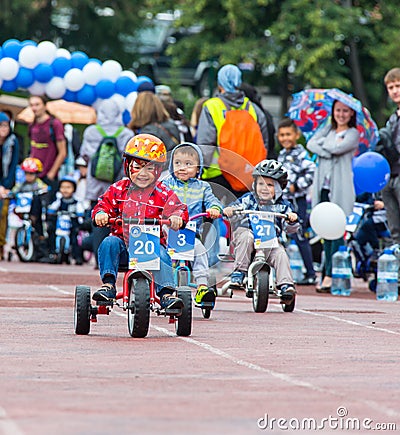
228, 211
292, 217
214, 213
101, 219
176, 222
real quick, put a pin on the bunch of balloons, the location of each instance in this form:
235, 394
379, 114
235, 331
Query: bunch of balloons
44, 69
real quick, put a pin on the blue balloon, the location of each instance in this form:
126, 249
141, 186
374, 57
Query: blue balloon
371, 172
11, 48
93, 59
126, 117
79, 59
61, 65
9, 85
142, 79
86, 95
1, 53
70, 96
43, 72
125, 85
24, 77
28, 42
105, 88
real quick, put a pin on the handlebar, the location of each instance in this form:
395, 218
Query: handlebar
199, 215
138, 221
274, 213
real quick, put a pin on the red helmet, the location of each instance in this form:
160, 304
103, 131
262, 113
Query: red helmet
32, 165
145, 147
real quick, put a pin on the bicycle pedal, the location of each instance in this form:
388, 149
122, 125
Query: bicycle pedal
105, 303
208, 305
173, 311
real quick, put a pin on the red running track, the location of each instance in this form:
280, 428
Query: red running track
334, 362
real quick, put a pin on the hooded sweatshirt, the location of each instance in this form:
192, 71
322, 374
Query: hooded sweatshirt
109, 117
195, 193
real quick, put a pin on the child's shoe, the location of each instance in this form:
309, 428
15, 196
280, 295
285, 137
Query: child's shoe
105, 293
237, 278
171, 302
204, 295
287, 294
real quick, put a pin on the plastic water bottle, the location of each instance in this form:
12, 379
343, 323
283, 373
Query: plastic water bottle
388, 272
341, 272
296, 261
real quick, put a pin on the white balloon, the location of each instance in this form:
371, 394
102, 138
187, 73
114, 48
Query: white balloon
1, 82
55, 88
28, 56
111, 70
62, 52
92, 72
328, 220
9, 68
130, 100
130, 74
46, 51
37, 88
120, 100
74, 80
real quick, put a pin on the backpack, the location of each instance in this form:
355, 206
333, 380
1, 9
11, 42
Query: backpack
241, 147
106, 162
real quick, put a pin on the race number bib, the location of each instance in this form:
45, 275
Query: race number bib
181, 242
354, 218
264, 231
144, 247
23, 202
64, 225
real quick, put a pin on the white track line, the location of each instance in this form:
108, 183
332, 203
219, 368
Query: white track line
59, 290
8, 426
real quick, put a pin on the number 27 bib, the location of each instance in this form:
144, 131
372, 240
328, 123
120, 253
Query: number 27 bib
263, 227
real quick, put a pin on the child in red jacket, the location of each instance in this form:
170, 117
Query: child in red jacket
140, 196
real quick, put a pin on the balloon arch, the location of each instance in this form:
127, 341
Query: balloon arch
44, 69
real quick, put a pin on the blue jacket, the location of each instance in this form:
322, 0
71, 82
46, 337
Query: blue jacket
195, 193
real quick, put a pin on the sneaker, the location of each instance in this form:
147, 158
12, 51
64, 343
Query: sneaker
204, 294
237, 278
287, 294
307, 280
105, 293
171, 302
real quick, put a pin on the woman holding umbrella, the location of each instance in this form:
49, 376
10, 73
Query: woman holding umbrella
334, 146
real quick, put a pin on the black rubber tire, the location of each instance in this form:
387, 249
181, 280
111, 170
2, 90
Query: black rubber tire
60, 254
212, 282
183, 324
289, 308
183, 277
206, 312
261, 291
139, 308
372, 285
25, 249
82, 310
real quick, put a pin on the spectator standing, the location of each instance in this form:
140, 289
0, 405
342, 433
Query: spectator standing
211, 120
391, 192
9, 154
300, 170
150, 116
47, 142
109, 118
334, 146
20, 138
195, 116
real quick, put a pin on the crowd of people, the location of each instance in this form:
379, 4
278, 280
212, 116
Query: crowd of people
171, 164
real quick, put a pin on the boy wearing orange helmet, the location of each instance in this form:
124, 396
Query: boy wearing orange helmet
139, 195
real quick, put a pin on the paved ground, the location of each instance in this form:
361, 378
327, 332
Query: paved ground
333, 362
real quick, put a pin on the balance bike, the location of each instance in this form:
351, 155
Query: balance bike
138, 296
260, 282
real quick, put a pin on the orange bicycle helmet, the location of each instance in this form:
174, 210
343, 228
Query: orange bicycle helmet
145, 147
32, 165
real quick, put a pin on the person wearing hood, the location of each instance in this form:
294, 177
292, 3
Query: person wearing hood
270, 178
229, 81
109, 118
185, 167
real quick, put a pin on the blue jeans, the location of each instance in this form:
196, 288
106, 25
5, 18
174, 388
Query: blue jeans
113, 254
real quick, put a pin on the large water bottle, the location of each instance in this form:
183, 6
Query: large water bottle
341, 272
296, 261
388, 272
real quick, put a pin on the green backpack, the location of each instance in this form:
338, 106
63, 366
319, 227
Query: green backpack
106, 162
